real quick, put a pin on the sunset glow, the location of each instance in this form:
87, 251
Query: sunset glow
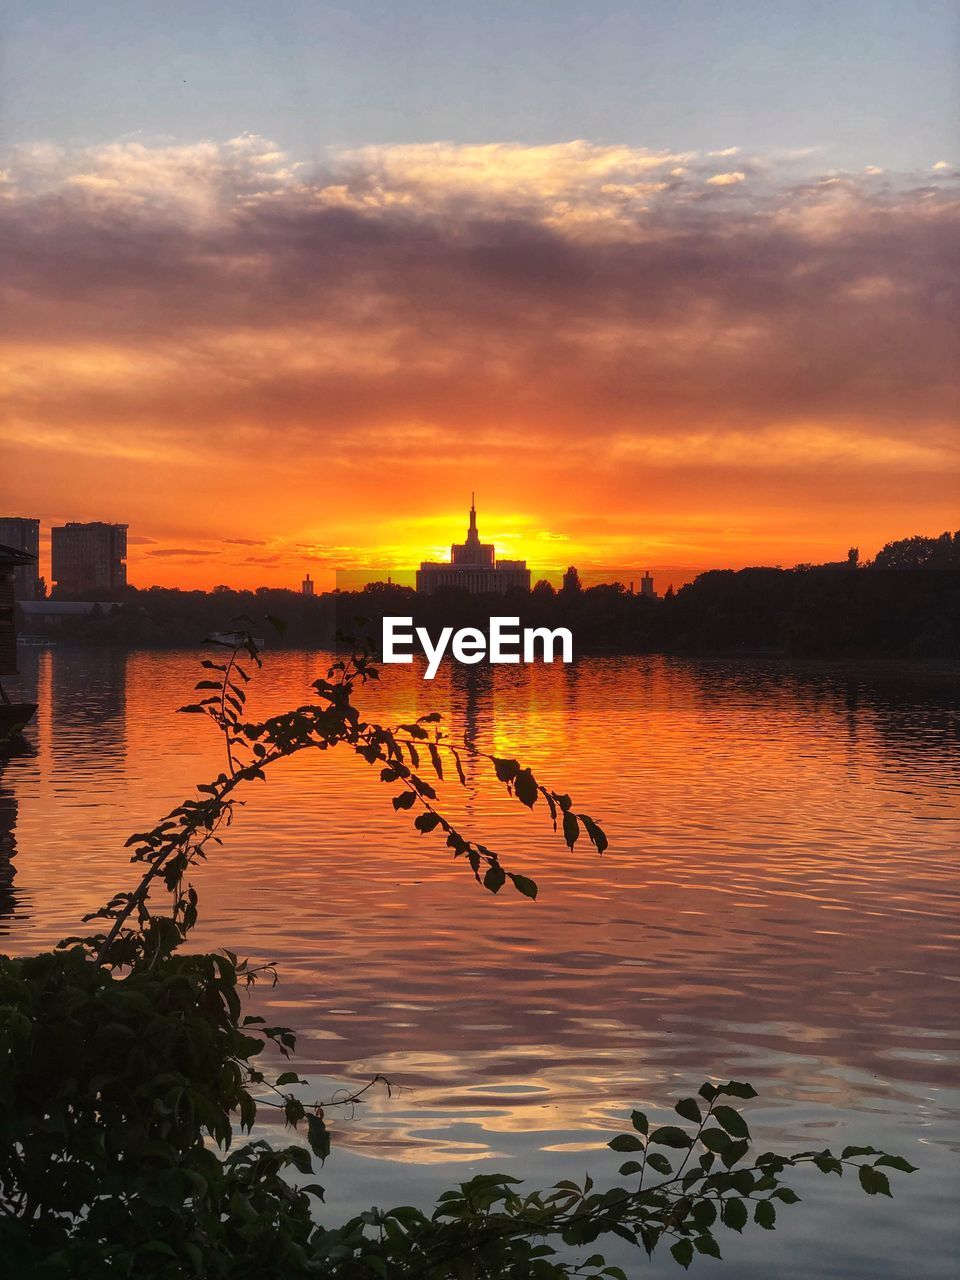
637, 358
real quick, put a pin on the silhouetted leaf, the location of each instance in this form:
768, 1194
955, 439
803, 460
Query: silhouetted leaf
765, 1215
873, 1181
494, 879
734, 1214
683, 1252
688, 1109
527, 887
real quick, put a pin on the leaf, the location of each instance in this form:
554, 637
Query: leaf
300, 1158
786, 1194
522, 885
288, 1077
765, 1215
659, 1162
495, 878
732, 1121
248, 1111
631, 1166
405, 800
688, 1109
682, 1252
639, 1122
571, 828
625, 1142
736, 1089
595, 833
707, 1246
278, 624
426, 821
736, 1151
525, 787
895, 1162
318, 1136
671, 1135
506, 770
704, 1214
873, 1181
734, 1214
715, 1139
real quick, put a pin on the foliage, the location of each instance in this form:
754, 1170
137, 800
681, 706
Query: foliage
942, 552
127, 1067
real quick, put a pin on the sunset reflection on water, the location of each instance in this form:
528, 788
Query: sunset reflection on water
778, 904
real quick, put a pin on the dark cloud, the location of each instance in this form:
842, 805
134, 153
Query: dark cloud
585, 293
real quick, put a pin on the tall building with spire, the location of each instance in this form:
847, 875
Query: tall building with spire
473, 566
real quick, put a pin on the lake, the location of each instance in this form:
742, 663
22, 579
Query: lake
778, 904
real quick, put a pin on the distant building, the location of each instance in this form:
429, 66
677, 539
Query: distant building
646, 586
23, 535
306, 586
89, 559
11, 559
473, 567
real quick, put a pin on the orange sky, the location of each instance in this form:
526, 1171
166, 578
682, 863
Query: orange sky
637, 359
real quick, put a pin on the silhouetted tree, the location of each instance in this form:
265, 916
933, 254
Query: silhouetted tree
921, 553
572, 586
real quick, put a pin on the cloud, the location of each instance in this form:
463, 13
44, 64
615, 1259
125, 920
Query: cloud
180, 551
220, 321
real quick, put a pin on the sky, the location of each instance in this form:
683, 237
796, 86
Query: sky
667, 284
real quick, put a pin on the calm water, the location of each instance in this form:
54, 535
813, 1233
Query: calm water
779, 904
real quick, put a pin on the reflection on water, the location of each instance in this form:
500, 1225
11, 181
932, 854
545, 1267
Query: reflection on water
8, 850
778, 904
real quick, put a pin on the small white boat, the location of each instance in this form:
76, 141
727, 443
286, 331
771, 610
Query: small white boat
233, 638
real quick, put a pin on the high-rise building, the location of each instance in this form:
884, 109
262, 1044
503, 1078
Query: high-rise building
306, 586
646, 586
23, 535
89, 559
473, 567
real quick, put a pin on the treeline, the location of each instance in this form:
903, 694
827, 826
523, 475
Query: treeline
906, 603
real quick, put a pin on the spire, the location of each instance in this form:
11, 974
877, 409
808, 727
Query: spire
472, 534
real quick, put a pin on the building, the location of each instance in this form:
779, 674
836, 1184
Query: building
306, 586
473, 567
24, 535
89, 559
646, 586
11, 559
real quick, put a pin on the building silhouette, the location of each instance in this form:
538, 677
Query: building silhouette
646, 586
89, 559
307, 586
11, 559
473, 567
23, 535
